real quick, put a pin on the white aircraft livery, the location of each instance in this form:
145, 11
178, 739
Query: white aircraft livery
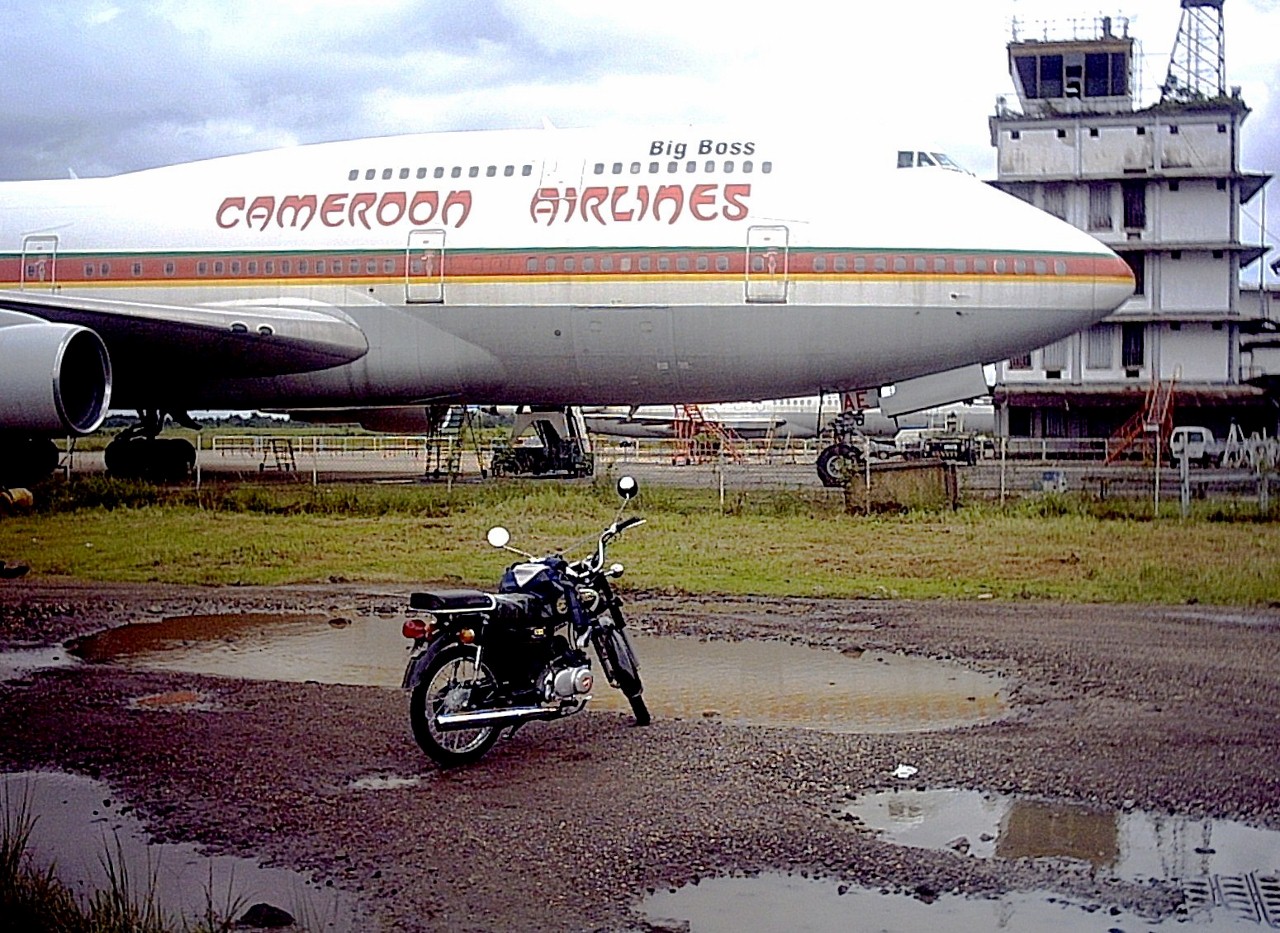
381, 280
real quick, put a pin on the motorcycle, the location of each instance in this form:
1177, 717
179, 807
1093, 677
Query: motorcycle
484, 662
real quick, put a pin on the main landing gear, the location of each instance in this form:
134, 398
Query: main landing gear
137, 452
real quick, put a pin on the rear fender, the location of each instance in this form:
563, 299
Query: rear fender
418, 662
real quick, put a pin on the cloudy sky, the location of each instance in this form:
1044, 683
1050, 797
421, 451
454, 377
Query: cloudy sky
104, 86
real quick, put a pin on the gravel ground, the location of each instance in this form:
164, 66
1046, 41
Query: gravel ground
568, 825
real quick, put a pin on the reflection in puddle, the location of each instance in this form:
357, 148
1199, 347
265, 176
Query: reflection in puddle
761, 683
81, 824
21, 661
785, 902
1134, 846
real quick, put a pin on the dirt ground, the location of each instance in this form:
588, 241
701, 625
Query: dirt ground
568, 825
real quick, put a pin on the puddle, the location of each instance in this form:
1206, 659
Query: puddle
760, 683
19, 662
81, 823
786, 902
1132, 845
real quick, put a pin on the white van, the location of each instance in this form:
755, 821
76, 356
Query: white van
1199, 444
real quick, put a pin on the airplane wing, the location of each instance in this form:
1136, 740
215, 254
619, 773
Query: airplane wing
149, 343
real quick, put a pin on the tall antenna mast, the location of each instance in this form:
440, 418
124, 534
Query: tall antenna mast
1197, 68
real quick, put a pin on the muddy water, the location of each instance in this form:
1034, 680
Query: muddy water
786, 902
81, 826
762, 683
1131, 845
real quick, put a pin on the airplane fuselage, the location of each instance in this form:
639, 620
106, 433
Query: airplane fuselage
549, 267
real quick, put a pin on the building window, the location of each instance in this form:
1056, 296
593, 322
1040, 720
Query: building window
1055, 356
1026, 65
1133, 192
1137, 263
1221, 184
1099, 206
1022, 362
1133, 351
1050, 76
1098, 347
1174, 185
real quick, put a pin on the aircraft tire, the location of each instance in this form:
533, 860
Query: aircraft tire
836, 463
156, 460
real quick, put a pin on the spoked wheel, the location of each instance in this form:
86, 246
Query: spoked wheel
452, 682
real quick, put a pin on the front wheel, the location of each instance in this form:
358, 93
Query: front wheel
452, 682
623, 671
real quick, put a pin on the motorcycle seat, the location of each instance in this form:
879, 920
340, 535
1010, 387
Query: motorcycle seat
451, 600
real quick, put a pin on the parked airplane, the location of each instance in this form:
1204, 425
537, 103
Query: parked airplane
781, 419
381, 280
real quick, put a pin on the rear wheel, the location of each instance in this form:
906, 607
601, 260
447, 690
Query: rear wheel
452, 682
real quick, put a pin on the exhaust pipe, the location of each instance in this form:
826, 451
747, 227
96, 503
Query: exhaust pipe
506, 717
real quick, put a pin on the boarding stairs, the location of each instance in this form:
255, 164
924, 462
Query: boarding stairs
699, 438
277, 454
1154, 419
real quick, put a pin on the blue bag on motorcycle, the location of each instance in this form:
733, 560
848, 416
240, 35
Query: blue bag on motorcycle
536, 578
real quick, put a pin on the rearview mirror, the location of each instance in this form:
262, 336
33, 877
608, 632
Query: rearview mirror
628, 487
498, 536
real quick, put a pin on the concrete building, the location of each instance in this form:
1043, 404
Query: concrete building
1161, 185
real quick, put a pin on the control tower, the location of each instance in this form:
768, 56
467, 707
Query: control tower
1162, 186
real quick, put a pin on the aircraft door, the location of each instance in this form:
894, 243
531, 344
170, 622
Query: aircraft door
767, 264
424, 267
39, 262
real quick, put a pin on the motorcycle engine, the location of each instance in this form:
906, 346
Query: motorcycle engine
565, 679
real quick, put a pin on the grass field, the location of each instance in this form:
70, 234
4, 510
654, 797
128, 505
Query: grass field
791, 543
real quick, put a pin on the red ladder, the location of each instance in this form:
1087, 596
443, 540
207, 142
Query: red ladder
693, 427
1157, 411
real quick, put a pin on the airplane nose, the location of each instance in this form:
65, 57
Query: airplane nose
1113, 283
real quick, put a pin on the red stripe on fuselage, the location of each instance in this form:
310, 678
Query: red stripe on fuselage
227, 268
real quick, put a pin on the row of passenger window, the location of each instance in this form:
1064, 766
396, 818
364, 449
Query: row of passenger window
589, 264
457, 171
939, 264
690, 167
628, 264
254, 267
746, 167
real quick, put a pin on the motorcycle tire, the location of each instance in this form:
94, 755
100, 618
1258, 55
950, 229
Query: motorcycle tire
622, 670
452, 669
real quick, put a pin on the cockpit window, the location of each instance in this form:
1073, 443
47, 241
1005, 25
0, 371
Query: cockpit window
913, 158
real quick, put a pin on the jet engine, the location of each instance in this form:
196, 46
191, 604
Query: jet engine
55, 378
